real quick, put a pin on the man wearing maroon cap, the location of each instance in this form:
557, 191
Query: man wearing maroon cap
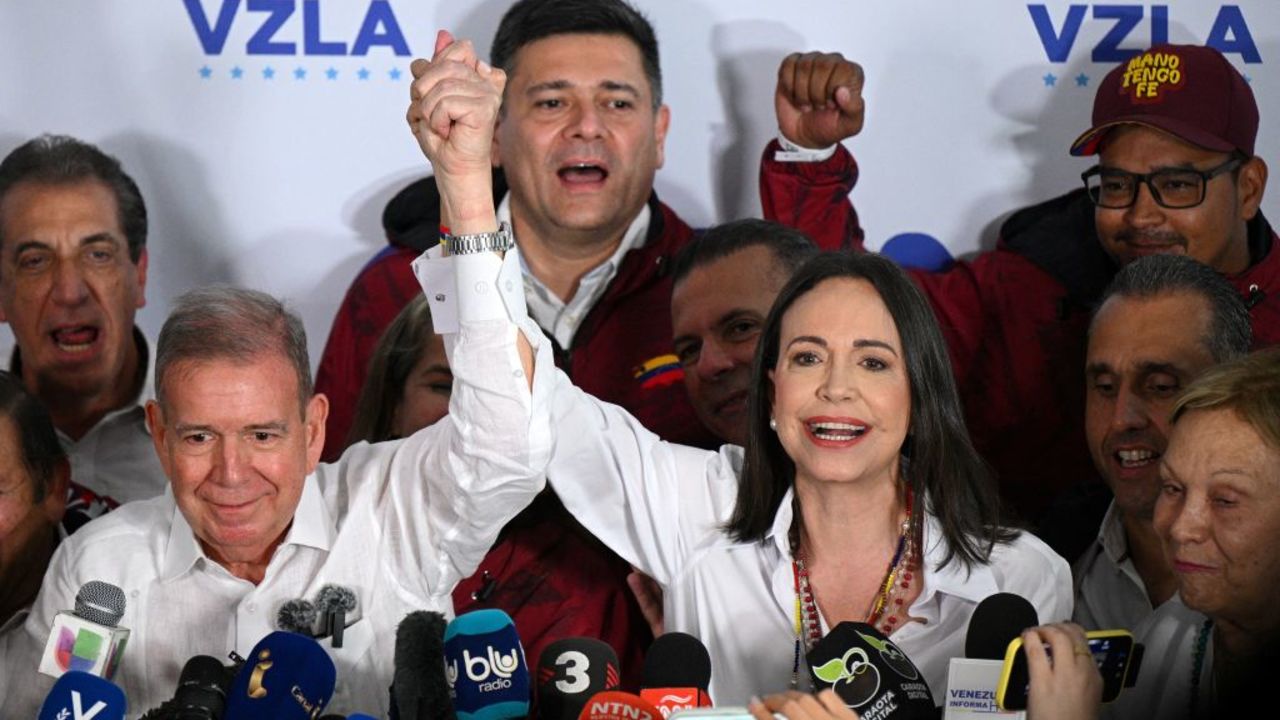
1174, 130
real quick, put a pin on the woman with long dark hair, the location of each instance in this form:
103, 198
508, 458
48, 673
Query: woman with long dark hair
861, 497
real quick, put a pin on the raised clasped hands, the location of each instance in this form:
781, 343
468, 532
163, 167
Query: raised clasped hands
454, 103
818, 99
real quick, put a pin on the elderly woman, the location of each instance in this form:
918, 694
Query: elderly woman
859, 496
1218, 516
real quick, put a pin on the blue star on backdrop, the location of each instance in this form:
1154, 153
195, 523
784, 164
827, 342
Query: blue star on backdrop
300, 74
268, 73
1082, 80
331, 73
1050, 79
395, 73
236, 73
363, 73
206, 72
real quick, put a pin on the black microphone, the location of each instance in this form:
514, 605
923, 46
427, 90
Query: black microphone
201, 693
570, 671
870, 673
419, 689
677, 671
333, 603
996, 622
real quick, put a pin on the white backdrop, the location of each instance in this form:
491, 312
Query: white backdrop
266, 148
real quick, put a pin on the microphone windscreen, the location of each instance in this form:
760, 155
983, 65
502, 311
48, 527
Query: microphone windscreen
570, 671
203, 684
614, 705
100, 602
297, 616
676, 659
335, 597
81, 695
997, 620
485, 666
870, 673
419, 689
286, 676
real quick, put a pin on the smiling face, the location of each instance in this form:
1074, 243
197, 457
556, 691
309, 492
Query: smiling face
68, 287
1218, 516
1212, 232
236, 448
579, 139
841, 394
717, 312
1142, 353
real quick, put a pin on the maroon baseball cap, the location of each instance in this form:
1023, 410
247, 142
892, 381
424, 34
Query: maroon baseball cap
1188, 91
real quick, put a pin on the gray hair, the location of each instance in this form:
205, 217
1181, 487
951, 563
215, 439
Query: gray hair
1230, 332
229, 323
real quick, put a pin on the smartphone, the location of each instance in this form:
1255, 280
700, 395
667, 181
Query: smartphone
1112, 650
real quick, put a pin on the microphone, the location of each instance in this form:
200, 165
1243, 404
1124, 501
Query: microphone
570, 672
201, 693
80, 696
871, 674
995, 623
419, 690
485, 667
297, 616
677, 671
972, 680
286, 676
333, 604
87, 639
614, 705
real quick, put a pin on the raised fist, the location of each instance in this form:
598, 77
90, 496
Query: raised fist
819, 99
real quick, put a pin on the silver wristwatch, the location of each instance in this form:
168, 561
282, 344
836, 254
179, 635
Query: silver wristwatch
479, 242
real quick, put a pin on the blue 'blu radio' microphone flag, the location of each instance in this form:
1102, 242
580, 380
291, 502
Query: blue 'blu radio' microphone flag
286, 676
485, 666
81, 696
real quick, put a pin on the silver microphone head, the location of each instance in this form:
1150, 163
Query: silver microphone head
100, 602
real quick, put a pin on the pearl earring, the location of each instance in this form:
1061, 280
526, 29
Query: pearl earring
773, 424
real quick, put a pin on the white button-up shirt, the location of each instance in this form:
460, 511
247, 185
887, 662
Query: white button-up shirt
561, 319
662, 506
1111, 595
399, 523
116, 458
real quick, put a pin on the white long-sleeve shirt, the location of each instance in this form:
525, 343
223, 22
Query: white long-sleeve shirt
662, 506
399, 523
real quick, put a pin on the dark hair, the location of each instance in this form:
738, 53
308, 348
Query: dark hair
1230, 332
37, 439
530, 20
59, 160
221, 322
943, 467
791, 248
397, 352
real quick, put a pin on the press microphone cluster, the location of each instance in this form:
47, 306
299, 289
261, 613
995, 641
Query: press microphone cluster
80, 696
88, 639
677, 672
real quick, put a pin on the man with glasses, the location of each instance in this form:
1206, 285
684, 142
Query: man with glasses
1174, 131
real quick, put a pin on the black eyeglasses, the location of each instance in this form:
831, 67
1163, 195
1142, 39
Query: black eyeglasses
1173, 188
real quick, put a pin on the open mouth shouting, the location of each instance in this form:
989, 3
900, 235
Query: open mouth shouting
585, 174
75, 340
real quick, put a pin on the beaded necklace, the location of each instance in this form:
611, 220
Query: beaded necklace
897, 581
1202, 643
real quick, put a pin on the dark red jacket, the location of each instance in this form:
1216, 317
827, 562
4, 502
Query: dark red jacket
1015, 319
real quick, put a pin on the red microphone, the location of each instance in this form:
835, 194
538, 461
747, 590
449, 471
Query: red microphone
676, 674
614, 705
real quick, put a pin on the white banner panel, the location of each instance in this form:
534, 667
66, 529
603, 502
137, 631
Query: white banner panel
267, 134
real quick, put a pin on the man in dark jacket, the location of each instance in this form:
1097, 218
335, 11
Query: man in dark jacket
1174, 129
